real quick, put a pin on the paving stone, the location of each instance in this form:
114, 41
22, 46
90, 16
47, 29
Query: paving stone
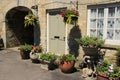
12, 67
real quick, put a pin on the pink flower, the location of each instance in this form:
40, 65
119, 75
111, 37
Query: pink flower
111, 70
76, 12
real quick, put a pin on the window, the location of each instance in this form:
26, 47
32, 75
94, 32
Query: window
104, 22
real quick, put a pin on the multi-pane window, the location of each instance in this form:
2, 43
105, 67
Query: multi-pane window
97, 22
104, 22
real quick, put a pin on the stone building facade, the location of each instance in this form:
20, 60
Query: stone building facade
46, 11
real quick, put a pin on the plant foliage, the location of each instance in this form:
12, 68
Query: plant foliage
91, 41
67, 57
37, 49
110, 70
26, 47
48, 56
70, 15
30, 19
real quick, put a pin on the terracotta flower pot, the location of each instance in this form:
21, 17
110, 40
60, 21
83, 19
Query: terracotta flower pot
67, 67
101, 76
117, 78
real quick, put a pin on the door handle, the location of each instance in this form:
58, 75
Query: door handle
56, 37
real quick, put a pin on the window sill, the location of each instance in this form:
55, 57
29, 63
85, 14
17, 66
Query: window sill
107, 46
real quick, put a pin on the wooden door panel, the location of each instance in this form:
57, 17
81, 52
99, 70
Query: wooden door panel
56, 34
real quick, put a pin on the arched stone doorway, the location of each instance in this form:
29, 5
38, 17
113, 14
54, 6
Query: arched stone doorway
16, 33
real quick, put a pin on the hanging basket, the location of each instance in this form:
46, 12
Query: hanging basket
72, 20
70, 16
30, 20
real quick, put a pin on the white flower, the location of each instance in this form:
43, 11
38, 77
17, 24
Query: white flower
111, 66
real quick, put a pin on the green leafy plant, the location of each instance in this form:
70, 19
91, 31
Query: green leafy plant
48, 56
70, 15
91, 41
30, 19
113, 71
102, 66
107, 69
67, 57
26, 47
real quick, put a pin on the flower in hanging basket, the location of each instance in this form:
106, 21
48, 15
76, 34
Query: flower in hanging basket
70, 16
30, 19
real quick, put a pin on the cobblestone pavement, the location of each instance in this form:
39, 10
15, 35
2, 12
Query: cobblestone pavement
12, 67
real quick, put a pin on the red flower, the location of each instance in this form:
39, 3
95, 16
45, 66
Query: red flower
63, 14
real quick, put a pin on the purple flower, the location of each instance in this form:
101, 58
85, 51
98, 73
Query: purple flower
100, 62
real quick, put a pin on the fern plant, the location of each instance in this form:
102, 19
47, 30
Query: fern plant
30, 19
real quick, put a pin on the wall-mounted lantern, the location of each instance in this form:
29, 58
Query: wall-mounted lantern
35, 7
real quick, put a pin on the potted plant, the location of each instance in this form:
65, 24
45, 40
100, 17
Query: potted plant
70, 16
25, 51
90, 44
30, 19
34, 54
48, 60
67, 62
118, 56
106, 71
1, 43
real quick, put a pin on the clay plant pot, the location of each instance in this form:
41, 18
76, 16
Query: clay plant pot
101, 76
67, 67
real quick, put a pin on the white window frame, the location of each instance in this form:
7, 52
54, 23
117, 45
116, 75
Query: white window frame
107, 41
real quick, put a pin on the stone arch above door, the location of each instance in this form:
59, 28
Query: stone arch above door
16, 33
